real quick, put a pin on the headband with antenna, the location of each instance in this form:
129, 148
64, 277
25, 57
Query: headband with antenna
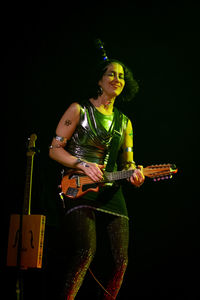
100, 45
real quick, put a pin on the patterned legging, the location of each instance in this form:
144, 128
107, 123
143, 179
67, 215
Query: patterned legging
81, 236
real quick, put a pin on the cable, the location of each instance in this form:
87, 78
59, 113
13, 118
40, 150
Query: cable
100, 284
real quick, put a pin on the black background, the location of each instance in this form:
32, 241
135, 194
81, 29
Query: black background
47, 53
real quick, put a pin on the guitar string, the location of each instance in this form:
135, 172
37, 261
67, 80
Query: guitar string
124, 174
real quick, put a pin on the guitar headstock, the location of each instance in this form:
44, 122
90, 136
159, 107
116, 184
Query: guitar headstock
31, 145
161, 171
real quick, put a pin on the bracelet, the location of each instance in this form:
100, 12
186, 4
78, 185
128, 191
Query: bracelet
61, 139
54, 146
81, 162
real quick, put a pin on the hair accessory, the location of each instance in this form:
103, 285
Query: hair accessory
100, 45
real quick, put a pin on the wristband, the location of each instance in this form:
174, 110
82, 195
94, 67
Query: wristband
81, 162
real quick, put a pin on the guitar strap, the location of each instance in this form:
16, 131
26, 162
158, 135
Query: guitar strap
115, 142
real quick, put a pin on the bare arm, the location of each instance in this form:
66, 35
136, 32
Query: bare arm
65, 129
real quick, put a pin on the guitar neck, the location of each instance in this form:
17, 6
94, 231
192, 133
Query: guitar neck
28, 186
29, 174
112, 176
153, 171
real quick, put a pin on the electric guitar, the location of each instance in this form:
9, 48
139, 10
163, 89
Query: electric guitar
75, 184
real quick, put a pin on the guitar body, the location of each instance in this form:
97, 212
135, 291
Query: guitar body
75, 185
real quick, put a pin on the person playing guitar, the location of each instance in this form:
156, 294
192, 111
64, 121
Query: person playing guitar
90, 138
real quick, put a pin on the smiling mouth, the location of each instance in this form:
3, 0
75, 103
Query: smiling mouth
115, 86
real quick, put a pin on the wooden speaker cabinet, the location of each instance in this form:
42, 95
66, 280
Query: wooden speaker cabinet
32, 239
26, 232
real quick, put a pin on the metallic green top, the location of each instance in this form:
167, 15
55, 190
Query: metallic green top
91, 141
92, 137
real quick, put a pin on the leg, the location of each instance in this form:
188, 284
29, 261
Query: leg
80, 235
118, 231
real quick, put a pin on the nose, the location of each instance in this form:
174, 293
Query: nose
116, 78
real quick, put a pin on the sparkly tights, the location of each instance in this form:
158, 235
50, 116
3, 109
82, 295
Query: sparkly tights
81, 235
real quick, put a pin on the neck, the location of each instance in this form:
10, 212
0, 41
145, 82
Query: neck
104, 104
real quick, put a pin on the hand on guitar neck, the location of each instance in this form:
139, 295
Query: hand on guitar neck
137, 178
94, 171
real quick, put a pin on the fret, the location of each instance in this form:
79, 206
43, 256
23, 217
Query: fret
112, 176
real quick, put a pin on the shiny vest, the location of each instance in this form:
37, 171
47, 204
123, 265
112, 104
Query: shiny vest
92, 137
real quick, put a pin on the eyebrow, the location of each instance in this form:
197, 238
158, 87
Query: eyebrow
114, 72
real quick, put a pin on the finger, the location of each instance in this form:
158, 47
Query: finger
99, 170
140, 175
135, 176
101, 166
131, 179
94, 177
141, 171
97, 173
135, 182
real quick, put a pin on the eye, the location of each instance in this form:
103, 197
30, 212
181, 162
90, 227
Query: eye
111, 74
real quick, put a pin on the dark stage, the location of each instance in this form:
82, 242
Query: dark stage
48, 52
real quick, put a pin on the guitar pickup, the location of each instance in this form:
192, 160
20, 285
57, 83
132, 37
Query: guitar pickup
78, 183
71, 192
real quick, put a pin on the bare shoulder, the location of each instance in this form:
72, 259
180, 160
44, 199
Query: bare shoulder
74, 108
72, 112
69, 120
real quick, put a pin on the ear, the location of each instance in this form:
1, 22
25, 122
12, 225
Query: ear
99, 90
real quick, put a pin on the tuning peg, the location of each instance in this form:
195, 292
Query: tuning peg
156, 179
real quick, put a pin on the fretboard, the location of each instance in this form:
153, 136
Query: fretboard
112, 176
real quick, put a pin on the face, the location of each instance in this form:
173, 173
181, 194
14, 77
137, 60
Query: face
113, 81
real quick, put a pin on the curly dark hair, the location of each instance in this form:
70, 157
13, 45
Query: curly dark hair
131, 86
